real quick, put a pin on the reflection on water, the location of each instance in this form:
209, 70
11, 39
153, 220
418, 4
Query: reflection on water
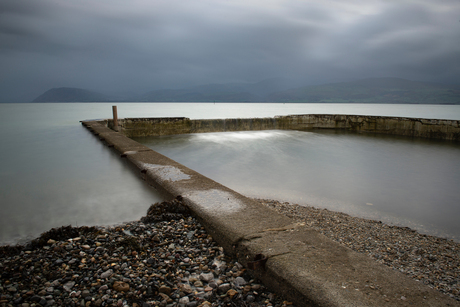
405, 181
56, 173
83, 184
53, 172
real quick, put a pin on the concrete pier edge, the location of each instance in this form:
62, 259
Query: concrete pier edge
288, 257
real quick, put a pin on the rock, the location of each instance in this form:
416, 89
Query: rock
164, 296
232, 293
239, 281
250, 298
107, 274
224, 287
120, 286
207, 277
12, 289
183, 301
212, 284
186, 288
165, 289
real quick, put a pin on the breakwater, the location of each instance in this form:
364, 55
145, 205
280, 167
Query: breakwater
412, 127
286, 255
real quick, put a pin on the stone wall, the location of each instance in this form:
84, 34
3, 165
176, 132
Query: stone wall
414, 127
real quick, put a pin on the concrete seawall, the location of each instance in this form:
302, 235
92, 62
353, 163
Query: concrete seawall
413, 127
307, 267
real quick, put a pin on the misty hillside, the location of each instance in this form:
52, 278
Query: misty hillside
70, 94
372, 90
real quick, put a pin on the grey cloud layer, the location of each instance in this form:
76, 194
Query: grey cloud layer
143, 45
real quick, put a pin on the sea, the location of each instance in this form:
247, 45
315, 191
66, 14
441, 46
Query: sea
54, 172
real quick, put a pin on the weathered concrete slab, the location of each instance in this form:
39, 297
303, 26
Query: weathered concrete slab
413, 127
310, 269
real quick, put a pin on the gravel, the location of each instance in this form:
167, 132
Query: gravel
165, 259
431, 260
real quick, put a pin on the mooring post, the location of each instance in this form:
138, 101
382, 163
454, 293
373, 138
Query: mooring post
115, 118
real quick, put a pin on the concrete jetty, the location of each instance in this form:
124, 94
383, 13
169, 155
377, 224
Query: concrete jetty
289, 257
404, 126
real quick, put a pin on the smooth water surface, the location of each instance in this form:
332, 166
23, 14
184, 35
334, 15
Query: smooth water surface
53, 172
399, 180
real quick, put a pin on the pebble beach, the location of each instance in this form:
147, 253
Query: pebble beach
167, 259
428, 259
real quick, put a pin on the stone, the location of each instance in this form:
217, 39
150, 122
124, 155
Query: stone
107, 274
232, 293
224, 287
120, 286
12, 289
207, 277
183, 301
165, 289
239, 281
250, 298
186, 288
164, 296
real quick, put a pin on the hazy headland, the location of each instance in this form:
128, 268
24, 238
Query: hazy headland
371, 90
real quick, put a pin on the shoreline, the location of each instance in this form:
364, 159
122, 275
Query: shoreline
164, 259
428, 259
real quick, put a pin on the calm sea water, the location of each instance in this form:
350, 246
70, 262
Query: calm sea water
398, 180
53, 172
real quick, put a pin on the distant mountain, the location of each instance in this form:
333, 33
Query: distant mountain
373, 90
70, 94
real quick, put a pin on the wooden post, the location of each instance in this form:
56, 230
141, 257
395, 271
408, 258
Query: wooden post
115, 118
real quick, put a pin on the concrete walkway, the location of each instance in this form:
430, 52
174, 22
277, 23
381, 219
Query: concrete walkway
290, 258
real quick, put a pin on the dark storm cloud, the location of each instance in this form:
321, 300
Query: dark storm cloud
143, 45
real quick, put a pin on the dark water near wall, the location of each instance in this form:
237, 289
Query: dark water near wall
399, 180
53, 172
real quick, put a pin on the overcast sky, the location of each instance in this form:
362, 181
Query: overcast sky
141, 45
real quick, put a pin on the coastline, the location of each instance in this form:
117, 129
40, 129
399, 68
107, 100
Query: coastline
165, 259
428, 259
